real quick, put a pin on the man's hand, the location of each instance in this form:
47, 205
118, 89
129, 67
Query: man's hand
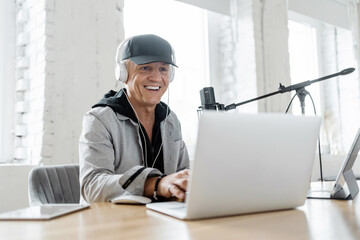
174, 185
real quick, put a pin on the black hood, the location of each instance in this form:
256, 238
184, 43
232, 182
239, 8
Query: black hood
118, 102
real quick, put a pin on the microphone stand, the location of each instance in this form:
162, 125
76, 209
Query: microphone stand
301, 92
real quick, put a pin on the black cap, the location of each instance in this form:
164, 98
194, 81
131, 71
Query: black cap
148, 48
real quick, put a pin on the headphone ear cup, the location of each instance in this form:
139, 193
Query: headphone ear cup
121, 72
117, 71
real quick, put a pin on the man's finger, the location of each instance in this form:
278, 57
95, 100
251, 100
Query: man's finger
182, 184
176, 191
184, 173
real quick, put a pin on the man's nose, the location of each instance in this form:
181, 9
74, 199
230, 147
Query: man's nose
156, 75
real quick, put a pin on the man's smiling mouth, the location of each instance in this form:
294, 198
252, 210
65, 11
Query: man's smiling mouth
153, 88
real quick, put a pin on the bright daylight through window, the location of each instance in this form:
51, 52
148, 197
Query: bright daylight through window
318, 49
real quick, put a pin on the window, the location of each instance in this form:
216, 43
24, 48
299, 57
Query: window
304, 63
187, 35
317, 49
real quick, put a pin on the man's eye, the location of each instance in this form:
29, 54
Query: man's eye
145, 68
164, 69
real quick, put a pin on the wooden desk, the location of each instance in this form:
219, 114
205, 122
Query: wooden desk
317, 219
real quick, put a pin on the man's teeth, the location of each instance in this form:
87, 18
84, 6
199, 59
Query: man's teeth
152, 88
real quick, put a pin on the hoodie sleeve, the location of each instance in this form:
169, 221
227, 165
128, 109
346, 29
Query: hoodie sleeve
98, 180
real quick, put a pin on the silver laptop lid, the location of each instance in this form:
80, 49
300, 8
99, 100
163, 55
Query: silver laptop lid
250, 163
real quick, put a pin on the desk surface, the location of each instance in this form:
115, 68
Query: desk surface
317, 219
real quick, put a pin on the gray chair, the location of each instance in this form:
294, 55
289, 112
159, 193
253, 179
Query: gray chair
54, 184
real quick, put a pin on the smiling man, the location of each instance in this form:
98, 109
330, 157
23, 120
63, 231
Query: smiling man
131, 142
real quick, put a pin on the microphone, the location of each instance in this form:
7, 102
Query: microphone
208, 102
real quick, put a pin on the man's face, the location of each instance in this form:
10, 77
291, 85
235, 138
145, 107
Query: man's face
147, 83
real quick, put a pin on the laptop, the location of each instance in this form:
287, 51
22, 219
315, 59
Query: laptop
247, 163
345, 186
43, 212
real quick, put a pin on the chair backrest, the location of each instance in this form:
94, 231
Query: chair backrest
54, 184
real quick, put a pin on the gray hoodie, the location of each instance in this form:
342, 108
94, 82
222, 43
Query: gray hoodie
110, 152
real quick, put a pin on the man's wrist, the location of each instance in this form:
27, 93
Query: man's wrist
156, 186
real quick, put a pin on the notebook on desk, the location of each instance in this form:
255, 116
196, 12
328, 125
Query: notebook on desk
43, 212
246, 164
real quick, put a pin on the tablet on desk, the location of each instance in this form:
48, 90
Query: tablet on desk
44, 212
345, 185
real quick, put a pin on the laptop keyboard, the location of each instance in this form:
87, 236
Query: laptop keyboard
175, 205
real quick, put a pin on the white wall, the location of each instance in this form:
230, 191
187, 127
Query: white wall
71, 53
7, 75
83, 43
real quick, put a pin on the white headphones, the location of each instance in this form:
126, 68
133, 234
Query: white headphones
121, 73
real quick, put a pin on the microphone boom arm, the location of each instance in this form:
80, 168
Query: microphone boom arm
297, 86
